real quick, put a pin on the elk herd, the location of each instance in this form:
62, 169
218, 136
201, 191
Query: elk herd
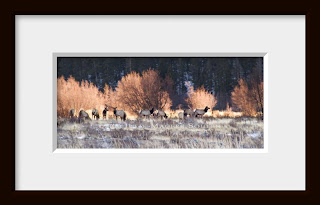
198, 113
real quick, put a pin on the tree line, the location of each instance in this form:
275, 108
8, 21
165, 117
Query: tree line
217, 76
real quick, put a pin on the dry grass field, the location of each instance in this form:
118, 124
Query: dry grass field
172, 133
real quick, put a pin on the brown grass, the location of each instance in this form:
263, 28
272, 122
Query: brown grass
191, 133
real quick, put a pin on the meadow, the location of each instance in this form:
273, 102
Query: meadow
153, 133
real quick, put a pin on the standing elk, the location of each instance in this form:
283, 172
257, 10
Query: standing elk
83, 116
201, 112
95, 114
105, 112
71, 113
122, 114
146, 113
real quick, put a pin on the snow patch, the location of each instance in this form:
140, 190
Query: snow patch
82, 136
254, 134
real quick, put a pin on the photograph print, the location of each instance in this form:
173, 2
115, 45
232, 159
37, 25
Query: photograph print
160, 103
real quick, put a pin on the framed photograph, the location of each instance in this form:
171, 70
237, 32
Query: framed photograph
160, 103
201, 102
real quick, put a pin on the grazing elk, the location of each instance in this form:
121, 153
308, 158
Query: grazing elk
201, 112
161, 114
188, 112
71, 113
95, 114
83, 116
122, 114
146, 113
105, 112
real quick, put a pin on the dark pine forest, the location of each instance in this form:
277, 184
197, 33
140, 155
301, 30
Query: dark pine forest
218, 75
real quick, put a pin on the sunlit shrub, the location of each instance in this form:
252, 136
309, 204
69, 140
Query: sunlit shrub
199, 98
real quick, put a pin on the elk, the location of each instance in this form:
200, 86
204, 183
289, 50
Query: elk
83, 116
201, 112
161, 114
71, 113
188, 112
146, 113
95, 114
122, 114
105, 112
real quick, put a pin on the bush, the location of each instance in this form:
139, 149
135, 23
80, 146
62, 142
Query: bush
241, 97
199, 98
136, 92
73, 95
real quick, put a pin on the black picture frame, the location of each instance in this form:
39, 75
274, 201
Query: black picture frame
133, 8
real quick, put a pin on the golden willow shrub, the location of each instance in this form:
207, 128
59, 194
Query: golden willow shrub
136, 92
72, 95
257, 94
200, 98
109, 96
250, 101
